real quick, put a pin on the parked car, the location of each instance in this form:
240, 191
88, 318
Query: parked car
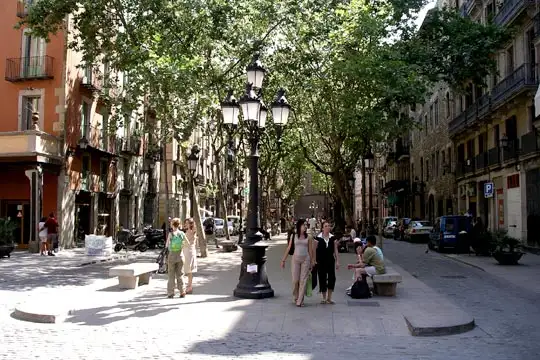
450, 232
399, 232
219, 225
387, 220
235, 222
418, 231
388, 230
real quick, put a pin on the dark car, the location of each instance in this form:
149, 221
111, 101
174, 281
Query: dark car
450, 231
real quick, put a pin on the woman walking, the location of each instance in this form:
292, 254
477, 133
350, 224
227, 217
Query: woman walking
175, 259
327, 263
302, 262
190, 253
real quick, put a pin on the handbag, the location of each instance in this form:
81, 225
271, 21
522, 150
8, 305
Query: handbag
309, 289
360, 289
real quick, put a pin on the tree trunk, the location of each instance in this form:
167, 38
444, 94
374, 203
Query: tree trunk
198, 222
221, 194
341, 188
167, 195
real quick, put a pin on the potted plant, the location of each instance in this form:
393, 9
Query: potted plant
7, 227
508, 249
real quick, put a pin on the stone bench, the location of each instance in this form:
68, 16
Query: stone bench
385, 284
132, 275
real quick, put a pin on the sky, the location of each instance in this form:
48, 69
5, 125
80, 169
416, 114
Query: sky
424, 11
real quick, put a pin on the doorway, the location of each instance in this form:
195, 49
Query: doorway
19, 211
83, 215
431, 208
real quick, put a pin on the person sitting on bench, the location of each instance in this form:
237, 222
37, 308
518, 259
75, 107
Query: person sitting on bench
372, 262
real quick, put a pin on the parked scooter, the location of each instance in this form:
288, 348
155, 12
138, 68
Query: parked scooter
131, 240
154, 237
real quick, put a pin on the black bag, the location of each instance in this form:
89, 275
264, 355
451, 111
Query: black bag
360, 289
162, 261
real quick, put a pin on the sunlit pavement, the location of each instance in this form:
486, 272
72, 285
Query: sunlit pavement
143, 324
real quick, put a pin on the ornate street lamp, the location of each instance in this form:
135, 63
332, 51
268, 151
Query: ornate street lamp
369, 163
83, 143
253, 283
193, 160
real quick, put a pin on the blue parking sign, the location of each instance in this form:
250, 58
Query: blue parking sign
488, 190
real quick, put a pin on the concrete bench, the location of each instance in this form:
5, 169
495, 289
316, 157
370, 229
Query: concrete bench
385, 284
228, 246
132, 275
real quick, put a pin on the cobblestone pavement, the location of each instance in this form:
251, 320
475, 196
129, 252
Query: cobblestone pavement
156, 332
501, 308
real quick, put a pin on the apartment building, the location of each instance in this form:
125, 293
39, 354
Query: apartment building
492, 128
397, 187
57, 151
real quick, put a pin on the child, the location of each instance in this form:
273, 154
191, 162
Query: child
175, 259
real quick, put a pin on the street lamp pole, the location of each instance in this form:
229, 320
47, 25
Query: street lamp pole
253, 282
369, 165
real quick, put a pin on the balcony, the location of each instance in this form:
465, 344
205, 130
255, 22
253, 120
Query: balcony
132, 145
99, 140
529, 143
494, 156
511, 151
469, 6
29, 68
457, 124
30, 143
481, 161
402, 151
537, 25
92, 80
522, 78
510, 10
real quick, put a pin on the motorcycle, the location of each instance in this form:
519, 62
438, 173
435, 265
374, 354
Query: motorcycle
154, 237
131, 240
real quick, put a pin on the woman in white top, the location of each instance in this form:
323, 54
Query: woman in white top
43, 236
190, 253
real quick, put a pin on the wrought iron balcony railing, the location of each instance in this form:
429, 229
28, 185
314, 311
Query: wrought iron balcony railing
29, 68
529, 143
521, 78
510, 10
494, 156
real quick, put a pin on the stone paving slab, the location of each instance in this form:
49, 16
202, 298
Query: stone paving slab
103, 304
523, 275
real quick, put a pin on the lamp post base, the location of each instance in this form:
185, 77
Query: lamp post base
253, 282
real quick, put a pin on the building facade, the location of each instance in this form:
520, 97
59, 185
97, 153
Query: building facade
58, 151
492, 129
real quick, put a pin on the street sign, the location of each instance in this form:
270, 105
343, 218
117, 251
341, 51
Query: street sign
488, 190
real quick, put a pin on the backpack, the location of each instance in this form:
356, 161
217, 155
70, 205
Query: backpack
177, 240
360, 289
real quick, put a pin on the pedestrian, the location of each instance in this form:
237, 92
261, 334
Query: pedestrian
312, 224
42, 236
52, 233
190, 253
303, 260
209, 231
175, 259
327, 263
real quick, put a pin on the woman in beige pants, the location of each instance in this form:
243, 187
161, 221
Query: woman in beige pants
302, 249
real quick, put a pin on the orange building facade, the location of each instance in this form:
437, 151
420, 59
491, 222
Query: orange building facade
56, 151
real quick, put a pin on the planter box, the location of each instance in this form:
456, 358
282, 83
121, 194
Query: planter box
6, 250
508, 258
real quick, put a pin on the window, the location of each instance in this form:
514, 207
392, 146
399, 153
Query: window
30, 104
127, 184
85, 172
450, 159
425, 123
512, 181
105, 128
427, 170
33, 54
421, 169
85, 119
103, 175
431, 117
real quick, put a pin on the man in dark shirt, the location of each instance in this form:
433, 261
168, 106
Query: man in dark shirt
52, 232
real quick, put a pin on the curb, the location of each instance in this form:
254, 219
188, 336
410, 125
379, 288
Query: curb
439, 330
463, 262
40, 318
